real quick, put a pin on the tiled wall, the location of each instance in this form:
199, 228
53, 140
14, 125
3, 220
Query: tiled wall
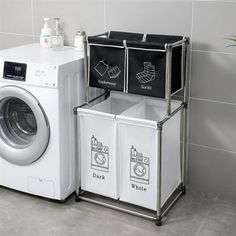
212, 131
212, 124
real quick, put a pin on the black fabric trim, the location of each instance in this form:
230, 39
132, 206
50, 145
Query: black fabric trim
126, 36
162, 39
146, 45
105, 41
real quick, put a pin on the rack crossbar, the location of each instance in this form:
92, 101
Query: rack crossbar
122, 209
164, 210
92, 100
172, 203
172, 114
178, 43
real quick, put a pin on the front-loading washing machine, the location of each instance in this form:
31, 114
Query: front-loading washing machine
39, 88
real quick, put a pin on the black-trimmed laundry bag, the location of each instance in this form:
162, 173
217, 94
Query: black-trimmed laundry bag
176, 63
107, 60
146, 66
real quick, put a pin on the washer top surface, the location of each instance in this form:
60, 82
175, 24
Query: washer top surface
34, 53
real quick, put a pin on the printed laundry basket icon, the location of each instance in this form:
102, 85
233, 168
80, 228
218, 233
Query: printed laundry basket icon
99, 155
139, 167
137, 145
98, 149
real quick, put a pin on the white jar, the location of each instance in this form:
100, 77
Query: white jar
79, 40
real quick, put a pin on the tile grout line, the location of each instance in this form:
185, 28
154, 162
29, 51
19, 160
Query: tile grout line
212, 148
9, 33
214, 52
189, 86
104, 16
213, 101
27, 35
32, 20
219, 1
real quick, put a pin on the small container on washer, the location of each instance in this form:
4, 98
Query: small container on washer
79, 40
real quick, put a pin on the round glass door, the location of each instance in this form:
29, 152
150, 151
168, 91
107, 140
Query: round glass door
19, 122
24, 129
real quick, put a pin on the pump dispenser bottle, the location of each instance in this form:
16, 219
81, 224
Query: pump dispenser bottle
57, 35
46, 34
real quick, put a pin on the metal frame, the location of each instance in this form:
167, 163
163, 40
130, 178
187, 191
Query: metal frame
180, 190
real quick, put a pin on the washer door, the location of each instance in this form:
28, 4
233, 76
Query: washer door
24, 128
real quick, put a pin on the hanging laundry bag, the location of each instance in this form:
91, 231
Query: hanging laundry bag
146, 66
137, 153
107, 60
98, 135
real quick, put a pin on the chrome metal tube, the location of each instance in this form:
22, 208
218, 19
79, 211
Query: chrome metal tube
185, 114
168, 76
86, 69
159, 170
104, 45
118, 208
187, 70
178, 43
183, 63
171, 204
77, 156
92, 100
172, 114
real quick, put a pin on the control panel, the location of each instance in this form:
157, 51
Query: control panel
14, 71
37, 74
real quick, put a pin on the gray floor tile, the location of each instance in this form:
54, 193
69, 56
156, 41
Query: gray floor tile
194, 214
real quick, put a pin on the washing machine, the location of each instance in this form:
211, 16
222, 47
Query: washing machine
39, 88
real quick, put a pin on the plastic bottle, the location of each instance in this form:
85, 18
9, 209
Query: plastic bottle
132, 151
46, 34
57, 35
79, 40
92, 140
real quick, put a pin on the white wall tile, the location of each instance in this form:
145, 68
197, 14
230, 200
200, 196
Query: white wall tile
12, 40
213, 76
213, 21
212, 171
15, 16
213, 124
76, 15
149, 16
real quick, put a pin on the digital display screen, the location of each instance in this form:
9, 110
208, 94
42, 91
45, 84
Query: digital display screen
18, 68
14, 71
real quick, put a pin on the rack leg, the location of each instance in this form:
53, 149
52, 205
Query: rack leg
159, 172
159, 221
183, 190
77, 194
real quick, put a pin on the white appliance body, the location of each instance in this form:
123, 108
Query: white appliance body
37, 142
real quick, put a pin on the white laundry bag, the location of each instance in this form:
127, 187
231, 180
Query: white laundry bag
137, 153
98, 137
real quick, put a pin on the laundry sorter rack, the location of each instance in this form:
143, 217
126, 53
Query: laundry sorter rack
162, 66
